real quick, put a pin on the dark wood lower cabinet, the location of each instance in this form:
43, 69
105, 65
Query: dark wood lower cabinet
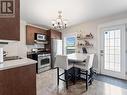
18, 81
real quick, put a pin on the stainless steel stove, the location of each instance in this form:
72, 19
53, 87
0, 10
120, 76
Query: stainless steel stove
44, 62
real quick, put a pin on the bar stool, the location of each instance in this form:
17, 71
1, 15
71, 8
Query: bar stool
62, 62
86, 68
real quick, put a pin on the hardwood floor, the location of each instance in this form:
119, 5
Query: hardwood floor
47, 85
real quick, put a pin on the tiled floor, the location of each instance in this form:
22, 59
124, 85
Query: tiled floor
46, 85
112, 80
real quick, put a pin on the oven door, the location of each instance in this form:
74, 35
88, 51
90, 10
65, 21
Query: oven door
44, 61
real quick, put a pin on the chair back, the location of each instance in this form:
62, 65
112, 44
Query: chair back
89, 61
61, 61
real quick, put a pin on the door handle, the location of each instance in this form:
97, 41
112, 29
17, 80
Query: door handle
101, 52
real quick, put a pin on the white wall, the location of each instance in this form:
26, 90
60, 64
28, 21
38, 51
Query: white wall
92, 27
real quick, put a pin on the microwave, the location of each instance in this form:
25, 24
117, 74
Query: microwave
40, 37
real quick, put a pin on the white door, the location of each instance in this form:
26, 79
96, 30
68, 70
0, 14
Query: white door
112, 51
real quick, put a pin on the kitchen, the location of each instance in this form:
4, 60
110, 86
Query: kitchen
46, 43
41, 51
33, 48
14, 61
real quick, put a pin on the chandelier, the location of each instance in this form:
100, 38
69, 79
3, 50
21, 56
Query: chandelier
59, 23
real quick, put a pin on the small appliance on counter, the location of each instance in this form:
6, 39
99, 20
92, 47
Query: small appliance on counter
1, 55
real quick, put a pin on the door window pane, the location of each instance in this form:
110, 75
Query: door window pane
112, 50
117, 67
107, 65
112, 66
107, 50
117, 58
107, 43
107, 58
117, 51
112, 58
117, 42
117, 33
112, 34
112, 42
112, 47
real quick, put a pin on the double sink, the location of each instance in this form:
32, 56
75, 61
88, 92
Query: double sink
12, 58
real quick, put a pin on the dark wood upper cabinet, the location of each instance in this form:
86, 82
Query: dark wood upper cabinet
54, 34
30, 31
51, 34
10, 26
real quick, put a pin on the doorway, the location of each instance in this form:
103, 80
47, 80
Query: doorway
112, 53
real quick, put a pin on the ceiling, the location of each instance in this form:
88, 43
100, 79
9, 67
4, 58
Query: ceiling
41, 12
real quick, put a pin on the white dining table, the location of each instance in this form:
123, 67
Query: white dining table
78, 57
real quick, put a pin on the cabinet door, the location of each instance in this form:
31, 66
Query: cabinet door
30, 31
18, 81
10, 26
55, 34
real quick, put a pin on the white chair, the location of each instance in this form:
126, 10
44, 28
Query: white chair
62, 62
86, 67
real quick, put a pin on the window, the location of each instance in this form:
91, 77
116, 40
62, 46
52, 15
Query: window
70, 44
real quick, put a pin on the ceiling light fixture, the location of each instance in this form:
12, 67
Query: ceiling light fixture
59, 23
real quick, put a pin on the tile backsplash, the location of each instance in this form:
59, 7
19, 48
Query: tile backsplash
15, 49
18, 49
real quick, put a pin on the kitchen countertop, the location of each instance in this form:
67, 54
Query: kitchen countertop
16, 63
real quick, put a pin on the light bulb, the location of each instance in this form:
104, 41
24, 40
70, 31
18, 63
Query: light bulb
53, 22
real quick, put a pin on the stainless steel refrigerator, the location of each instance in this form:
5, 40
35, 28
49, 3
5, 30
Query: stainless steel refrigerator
56, 49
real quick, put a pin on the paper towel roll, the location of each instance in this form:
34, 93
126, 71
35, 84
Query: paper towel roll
1, 55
